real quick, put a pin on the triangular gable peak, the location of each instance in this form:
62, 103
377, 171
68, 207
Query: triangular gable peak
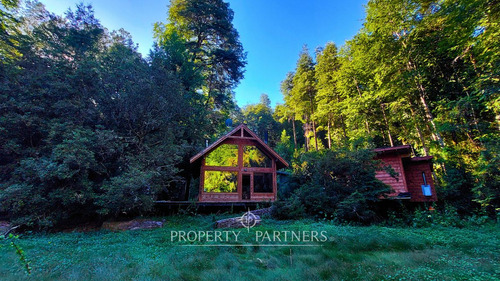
242, 132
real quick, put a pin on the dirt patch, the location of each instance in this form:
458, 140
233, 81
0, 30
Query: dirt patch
132, 225
4, 227
246, 220
261, 212
238, 222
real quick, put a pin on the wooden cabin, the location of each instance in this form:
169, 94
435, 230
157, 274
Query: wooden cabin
239, 167
414, 180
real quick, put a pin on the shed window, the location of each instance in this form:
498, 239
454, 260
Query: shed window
254, 157
220, 181
225, 155
263, 182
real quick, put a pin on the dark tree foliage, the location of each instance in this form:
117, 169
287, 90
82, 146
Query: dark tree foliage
334, 184
203, 44
88, 127
259, 118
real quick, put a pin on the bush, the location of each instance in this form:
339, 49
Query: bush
88, 175
62, 184
469, 177
128, 193
446, 216
337, 185
292, 208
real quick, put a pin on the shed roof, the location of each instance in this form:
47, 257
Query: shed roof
422, 158
280, 162
402, 149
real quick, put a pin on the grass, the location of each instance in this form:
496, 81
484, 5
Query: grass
351, 253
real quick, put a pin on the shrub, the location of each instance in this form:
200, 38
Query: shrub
88, 175
58, 186
338, 184
130, 192
292, 208
447, 217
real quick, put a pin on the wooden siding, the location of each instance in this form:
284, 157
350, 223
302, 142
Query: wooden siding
413, 171
398, 183
218, 197
410, 173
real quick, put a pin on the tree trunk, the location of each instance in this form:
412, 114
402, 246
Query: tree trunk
306, 134
420, 135
329, 136
422, 93
294, 133
429, 117
313, 124
315, 136
360, 96
382, 106
343, 126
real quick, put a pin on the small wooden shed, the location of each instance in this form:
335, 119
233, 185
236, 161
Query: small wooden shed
414, 180
239, 167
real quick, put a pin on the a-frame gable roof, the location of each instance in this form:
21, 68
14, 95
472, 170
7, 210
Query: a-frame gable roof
243, 132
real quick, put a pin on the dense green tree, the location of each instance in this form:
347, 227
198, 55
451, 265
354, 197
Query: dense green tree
285, 112
431, 54
328, 98
418, 72
88, 126
259, 118
8, 30
201, 37
303, 95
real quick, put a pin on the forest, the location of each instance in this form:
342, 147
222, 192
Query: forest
89, 128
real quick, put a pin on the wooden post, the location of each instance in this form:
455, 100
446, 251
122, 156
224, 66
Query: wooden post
202, 180
275, 181
239, 186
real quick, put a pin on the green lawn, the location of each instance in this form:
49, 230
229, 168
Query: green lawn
351, 253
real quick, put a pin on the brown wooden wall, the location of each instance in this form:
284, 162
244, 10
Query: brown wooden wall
414, 179
398, 184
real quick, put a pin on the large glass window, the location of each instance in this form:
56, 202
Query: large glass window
225, 155
263, 182
254, 157
220, 181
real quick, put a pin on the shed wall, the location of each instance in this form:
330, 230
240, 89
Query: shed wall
398, 183
414, 179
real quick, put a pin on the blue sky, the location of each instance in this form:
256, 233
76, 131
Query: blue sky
271, 31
